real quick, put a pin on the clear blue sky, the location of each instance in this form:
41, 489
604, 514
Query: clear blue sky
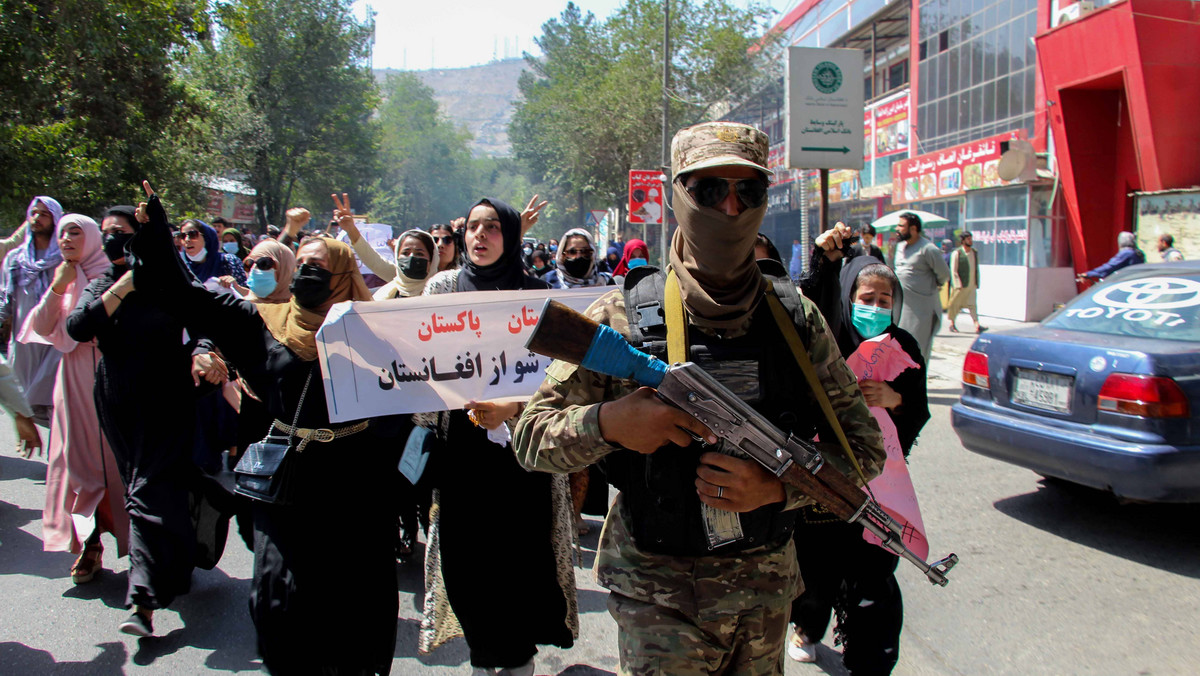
460, 33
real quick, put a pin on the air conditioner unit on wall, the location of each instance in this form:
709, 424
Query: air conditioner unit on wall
1065, 11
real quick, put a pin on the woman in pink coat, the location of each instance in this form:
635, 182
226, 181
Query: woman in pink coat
84, 492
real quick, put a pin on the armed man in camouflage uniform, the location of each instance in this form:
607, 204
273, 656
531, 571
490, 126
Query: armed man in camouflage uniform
684, 602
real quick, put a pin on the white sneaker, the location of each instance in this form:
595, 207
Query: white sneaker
801, 649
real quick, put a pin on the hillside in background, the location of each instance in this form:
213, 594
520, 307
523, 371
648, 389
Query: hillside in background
479, 98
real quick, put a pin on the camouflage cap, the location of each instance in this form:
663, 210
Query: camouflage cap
716, 144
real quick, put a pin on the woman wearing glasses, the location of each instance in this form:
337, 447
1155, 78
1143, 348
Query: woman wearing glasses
449, 244
206, 260
576, 260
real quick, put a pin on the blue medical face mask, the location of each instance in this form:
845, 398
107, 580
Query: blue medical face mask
870, 321
262, 282
636, 263
230, 247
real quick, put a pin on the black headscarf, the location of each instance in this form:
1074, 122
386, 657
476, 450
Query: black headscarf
910, 383
848, 337
125, 210
507, 273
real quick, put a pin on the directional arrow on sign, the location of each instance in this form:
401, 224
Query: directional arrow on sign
843, 149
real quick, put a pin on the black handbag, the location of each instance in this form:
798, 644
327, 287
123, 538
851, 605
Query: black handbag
265, 471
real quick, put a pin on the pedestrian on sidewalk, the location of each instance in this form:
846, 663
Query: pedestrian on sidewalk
922, 271
1166, 247
964, 282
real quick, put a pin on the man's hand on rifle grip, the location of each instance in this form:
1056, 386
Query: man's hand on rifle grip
644, 423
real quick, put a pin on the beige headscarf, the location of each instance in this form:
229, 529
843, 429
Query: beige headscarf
403, 286
712, 254
285, 268
295, 326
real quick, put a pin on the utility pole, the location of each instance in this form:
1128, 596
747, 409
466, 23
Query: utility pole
666, 132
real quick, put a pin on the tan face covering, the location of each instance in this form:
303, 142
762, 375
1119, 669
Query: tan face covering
712, 254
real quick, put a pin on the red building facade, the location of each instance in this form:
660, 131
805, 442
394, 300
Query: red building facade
1122, 91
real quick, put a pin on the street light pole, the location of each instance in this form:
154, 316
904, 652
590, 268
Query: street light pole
666, 132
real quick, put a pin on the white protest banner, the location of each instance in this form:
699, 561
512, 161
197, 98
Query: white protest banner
434, 353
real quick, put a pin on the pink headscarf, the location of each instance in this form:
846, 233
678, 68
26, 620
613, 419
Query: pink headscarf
92, 263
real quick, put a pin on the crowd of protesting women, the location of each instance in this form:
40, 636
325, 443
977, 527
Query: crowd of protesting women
219, 326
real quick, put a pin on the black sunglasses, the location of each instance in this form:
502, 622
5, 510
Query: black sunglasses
586, 253
443, 239
712, 190
190, 234
263, 263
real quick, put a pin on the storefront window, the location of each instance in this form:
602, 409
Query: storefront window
999, 224
1048, 245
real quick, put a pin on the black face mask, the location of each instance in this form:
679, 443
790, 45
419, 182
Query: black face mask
310, 287
577, 267
114, 244
414, 267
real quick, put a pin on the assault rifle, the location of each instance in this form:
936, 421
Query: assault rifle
565, 334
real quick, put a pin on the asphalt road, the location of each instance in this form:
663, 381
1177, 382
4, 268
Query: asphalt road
1053, 580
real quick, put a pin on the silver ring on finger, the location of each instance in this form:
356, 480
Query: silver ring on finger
720, 491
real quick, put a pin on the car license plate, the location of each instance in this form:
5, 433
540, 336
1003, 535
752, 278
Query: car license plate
1047, 391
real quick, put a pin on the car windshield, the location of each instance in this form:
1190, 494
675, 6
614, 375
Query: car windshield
1146, 307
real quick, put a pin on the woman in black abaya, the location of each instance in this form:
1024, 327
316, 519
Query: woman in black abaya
520, 522
145, 401
324, 596
842, 572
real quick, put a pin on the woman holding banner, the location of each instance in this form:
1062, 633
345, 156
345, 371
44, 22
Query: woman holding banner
491, 504
324, 596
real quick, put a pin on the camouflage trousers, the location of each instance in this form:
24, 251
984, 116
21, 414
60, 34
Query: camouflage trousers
658, 641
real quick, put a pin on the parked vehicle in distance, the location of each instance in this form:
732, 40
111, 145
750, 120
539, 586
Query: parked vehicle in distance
1105, 392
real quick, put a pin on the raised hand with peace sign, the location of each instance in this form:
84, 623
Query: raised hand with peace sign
344, 215
529, 217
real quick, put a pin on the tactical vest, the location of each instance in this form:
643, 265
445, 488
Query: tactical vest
659, 489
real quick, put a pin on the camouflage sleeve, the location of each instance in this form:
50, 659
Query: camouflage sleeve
856, 420
559, 431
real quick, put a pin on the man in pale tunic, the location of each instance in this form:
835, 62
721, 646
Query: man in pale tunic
922, 270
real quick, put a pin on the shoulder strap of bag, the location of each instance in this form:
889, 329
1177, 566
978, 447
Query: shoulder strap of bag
299, 406
788, 328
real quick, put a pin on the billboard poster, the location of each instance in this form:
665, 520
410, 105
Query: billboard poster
891, 127
645, 196
951, 172
1175, 213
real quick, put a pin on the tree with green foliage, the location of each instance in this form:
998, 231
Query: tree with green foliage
294, 99
591, 105
427, 172
93, 104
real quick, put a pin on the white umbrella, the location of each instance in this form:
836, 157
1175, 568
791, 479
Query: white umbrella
888, 222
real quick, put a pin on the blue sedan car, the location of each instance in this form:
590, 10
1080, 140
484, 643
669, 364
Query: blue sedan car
1104, 392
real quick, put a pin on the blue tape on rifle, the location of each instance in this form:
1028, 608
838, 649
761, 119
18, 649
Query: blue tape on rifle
612, 355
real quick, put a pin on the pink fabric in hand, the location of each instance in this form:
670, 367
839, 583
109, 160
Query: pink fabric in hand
882, 358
